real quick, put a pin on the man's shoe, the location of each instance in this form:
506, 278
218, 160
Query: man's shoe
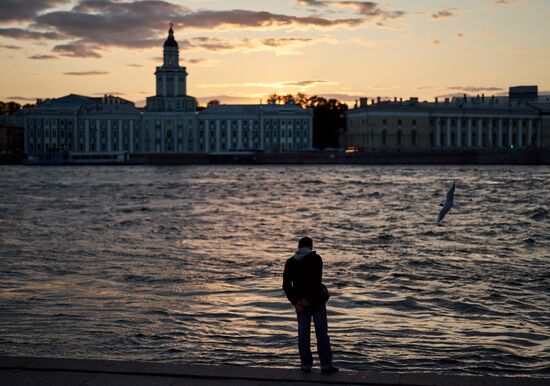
306, 369
330, 370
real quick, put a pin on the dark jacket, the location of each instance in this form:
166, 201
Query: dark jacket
302, 279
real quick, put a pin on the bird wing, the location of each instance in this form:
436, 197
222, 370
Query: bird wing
442, 213
450, 195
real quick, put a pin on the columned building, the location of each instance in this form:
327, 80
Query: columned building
519, 121
83, 124
169, 124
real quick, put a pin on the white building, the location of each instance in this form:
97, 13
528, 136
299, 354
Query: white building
518, 121
169, 124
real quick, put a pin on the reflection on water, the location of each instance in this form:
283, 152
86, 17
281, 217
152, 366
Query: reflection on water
184, 264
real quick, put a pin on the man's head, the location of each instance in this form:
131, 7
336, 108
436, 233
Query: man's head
305, 242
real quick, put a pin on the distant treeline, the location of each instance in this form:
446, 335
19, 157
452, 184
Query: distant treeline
8, 108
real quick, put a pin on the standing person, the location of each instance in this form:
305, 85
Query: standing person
303, 287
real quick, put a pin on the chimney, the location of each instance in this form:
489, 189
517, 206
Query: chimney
436, 100
400, 100
395, 99
378, 99
362, 102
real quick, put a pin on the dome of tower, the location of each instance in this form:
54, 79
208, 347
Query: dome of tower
170, 41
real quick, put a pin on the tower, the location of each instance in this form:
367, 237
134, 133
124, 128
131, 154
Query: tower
171, 81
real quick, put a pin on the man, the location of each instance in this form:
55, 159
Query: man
303, 287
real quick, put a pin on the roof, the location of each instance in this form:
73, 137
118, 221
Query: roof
170, 41
457, 106
73, 103
255, 109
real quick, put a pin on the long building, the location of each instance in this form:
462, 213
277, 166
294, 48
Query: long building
520, 120
169, 124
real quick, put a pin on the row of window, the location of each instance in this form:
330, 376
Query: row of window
454, 121
485, 140
68, 123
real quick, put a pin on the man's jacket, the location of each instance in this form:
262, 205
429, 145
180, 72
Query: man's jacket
302, 278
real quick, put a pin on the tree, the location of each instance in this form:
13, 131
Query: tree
328, 121
328, 116
8, 108
213, 102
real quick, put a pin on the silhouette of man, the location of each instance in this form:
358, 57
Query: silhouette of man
303, 287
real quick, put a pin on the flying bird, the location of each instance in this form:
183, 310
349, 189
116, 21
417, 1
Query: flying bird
448, 204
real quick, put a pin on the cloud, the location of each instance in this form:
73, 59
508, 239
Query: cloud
307, 83
134, 65
42, 57
91, 26
230, 99
474, 89
460, 35
18, 10
86, 73
20, 98
451, 95
445, 13
342, 96
10, 47
95, 25
78, 49
281, 46
504, 2
300, 84
369, 9
115, 93
256, 19
22, 34
279, 42
202, 62
436, 42
197, 60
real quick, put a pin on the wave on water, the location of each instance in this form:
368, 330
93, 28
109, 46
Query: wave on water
184, 264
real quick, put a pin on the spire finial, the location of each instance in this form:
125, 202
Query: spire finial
171, 25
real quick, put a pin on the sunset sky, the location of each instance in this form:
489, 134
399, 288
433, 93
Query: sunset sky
240, 51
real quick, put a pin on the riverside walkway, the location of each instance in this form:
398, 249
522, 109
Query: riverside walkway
49, 371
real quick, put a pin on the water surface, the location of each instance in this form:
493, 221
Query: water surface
184, 264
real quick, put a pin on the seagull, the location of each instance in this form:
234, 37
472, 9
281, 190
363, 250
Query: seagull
448, 204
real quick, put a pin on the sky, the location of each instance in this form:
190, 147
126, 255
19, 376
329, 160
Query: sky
241, 51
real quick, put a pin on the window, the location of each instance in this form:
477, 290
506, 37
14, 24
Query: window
413, 137
414, 122
399, 135
384, 137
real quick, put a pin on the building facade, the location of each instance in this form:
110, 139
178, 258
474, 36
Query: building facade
519, 121
11, 135
169, 124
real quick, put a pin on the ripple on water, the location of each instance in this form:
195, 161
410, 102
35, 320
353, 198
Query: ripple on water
184, 264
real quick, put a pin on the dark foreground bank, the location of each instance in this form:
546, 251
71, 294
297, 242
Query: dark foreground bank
50, 371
